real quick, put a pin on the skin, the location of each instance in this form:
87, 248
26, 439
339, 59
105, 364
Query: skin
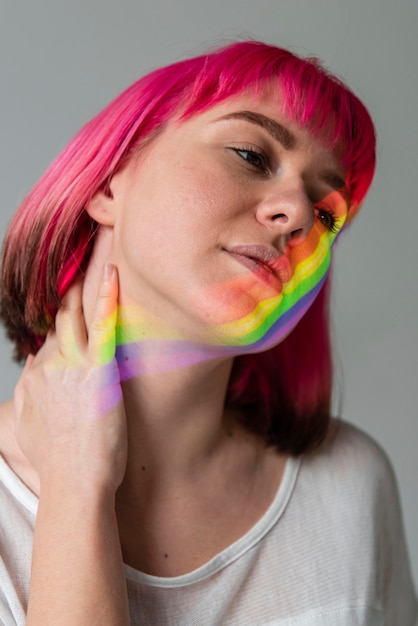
152, 469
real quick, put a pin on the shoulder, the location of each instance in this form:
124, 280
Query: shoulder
352, 455
348, 495
352, 476
344, 437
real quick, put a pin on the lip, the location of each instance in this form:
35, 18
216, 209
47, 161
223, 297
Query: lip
266, 262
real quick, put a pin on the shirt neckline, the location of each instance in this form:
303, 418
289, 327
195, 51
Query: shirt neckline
235, 550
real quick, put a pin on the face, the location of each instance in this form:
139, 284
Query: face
222, 227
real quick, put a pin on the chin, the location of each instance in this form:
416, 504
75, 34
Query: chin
264, 325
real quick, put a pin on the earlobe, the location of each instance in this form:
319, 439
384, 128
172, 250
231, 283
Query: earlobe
101, 206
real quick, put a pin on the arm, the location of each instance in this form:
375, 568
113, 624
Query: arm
72, 428
77, 573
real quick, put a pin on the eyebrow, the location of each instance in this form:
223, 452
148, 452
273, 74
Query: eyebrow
276, 130
336, 182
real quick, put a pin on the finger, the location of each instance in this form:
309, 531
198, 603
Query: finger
102, 331
70, 324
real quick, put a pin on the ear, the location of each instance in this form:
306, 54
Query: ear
101, 207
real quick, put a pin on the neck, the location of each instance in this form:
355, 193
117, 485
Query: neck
175, 416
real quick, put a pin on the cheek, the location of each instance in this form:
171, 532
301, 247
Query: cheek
205, 197
183, 202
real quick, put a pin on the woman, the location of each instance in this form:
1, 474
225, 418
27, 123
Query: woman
169, 448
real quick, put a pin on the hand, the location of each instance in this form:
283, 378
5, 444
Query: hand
71, 422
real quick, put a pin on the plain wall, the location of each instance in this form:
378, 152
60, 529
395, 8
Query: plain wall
61, 61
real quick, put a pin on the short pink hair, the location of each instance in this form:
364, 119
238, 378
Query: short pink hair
51, 236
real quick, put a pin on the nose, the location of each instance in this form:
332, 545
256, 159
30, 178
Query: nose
287, 211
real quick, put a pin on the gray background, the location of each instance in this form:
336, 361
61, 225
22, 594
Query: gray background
61, 61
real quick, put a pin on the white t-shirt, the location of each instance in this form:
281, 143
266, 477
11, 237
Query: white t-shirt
330, 551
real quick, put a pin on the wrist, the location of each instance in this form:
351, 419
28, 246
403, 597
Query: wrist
76, 497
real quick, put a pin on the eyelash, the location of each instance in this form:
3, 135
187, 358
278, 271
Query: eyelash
325, 216
263, 163
327, 219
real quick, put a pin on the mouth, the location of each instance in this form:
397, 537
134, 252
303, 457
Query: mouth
267, 263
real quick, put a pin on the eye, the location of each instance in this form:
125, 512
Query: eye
256, 159
327, 219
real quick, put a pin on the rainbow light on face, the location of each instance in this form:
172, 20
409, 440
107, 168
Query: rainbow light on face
273, 318
265, 322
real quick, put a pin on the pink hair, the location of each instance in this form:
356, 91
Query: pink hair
51, 236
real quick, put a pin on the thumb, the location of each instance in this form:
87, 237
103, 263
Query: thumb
102, 330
